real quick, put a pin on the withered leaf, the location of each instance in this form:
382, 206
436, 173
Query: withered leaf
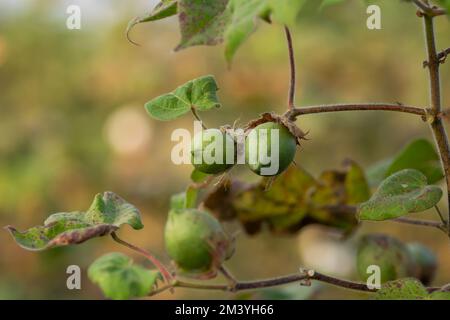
106, 214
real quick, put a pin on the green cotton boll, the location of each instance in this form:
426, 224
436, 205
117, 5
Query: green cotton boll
197, 243
425, 261
212, 151
388, 253
266, 157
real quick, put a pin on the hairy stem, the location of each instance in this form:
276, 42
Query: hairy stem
298, 111
437, 125
165, 273
291, 96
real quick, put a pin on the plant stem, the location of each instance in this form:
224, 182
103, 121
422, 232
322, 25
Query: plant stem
196, 116
272, 282
228, 275
352, 210
425, 223
437, 125
291, 96
166, 274
443, 55
430, 11
440, 215
298, 111
302, 277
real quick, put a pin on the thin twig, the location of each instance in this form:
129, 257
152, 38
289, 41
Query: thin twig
437, 125
341, 282
424, 223
272, 282
444, 222
182, 284
298, 111
443, 55
196, 116
427, 10
305, 275
291, 97
165, 273
165, 287
229, 276
352, 210
299, 277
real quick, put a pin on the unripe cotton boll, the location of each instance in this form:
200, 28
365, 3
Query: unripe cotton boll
197, 242
212, 151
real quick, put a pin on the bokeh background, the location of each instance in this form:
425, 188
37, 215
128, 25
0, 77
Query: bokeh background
72, 124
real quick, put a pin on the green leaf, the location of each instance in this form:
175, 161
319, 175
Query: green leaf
328, 3
164, 9
210, 22
404, 192
439, 295
244, 14
402, 289
119, 278
107, 213
199, 93
202, 22
409, 289
286, 11
420, 154
446, 5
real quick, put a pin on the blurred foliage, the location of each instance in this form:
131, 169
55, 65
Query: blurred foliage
72, 124
120, 279
292, 200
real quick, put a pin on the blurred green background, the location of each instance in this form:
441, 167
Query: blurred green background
72, 124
